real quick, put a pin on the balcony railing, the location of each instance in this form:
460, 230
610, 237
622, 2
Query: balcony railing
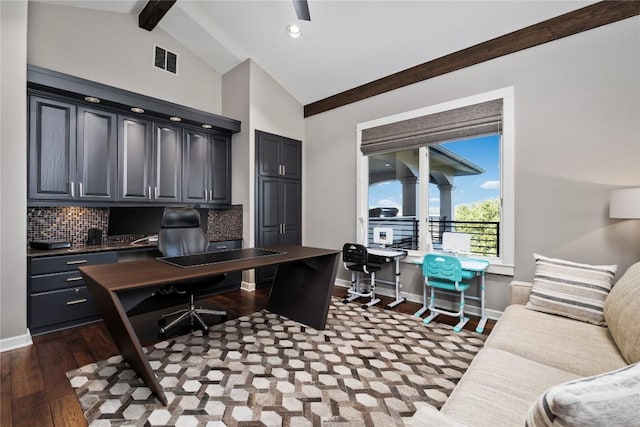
485, 235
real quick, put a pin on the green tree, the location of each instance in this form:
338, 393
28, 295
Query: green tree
484, 237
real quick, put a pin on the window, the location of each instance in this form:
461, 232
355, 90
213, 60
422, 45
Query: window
465, 149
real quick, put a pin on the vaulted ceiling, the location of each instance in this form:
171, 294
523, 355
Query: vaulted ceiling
346, 43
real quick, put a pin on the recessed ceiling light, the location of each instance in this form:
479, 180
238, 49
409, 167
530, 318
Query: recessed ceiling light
92, 99
206, 126
175, 119
294, 31
137, 110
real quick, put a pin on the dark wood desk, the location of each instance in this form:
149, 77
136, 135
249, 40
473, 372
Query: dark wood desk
301, 291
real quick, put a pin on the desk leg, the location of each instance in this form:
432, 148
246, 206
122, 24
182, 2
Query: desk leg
399, 299
117, 322
302, 289
483, 314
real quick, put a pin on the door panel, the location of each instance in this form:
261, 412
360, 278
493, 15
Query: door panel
291, 159
268, 152
52, 148
220, 170
135, 161
168, 163
96, 155
291, 203
270, 201
194, 176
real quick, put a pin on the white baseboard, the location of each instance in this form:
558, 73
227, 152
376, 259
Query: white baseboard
447, 305
246, 286
16, 342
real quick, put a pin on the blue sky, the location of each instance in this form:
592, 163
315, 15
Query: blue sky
484, 152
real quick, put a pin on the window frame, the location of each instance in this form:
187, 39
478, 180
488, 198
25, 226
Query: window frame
499, 265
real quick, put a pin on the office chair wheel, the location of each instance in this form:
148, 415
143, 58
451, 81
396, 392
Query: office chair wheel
365, 306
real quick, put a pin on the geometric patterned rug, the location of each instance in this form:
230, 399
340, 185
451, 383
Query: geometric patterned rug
367, 368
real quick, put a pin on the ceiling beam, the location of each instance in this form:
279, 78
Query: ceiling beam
577, 21
153, 12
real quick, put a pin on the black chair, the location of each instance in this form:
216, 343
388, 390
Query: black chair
356, 259
180, 234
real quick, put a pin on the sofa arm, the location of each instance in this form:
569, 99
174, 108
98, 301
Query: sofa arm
519, 292
429, 416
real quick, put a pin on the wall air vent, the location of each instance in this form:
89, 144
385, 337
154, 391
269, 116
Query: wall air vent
165, 60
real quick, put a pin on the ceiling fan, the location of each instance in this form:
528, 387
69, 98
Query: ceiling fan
302, 10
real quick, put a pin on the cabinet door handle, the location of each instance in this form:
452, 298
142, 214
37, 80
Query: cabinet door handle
155, 192
74, 279
284, 170
77, 301
210, 194
206, 194
80, 192
72, 187
149, 192
284, 228
80, 261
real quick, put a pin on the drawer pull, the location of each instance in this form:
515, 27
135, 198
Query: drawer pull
81, 261
221, 247
77, 301
74, 279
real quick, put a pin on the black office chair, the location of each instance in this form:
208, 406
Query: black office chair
356, 258
181, 234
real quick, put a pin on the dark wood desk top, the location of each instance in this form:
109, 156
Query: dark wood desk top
151, 272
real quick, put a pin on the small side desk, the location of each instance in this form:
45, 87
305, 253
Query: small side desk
479, 268
301, 291
391, 255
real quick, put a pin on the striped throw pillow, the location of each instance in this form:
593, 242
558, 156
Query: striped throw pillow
571, 289
609, 399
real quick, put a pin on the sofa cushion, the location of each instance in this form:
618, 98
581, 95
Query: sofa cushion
499, 388
611, 399
571, 289
621, 310
570, 345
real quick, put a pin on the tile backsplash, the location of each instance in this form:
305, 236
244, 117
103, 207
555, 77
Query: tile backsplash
71, 223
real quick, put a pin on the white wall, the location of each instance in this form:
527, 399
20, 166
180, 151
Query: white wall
13, 175
236, 104
577, 103
261, 103
110, 48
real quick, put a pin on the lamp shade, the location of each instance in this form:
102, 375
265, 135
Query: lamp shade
625, 203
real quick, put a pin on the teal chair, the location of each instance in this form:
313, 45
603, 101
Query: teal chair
445, 273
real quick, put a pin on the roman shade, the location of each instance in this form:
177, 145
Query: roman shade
460, 123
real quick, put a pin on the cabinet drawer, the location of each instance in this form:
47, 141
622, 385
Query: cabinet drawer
224, 246
50, 308
51, 282
58, 264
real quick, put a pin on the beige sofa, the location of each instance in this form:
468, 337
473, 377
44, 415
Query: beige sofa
528, 352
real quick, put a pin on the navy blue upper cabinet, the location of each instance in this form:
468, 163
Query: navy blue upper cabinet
149, 160
72, 152
206, 169
95, 145
279, 156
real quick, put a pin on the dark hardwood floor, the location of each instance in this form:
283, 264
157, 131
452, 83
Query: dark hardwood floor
35, 390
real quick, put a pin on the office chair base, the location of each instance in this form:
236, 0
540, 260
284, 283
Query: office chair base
193, 313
